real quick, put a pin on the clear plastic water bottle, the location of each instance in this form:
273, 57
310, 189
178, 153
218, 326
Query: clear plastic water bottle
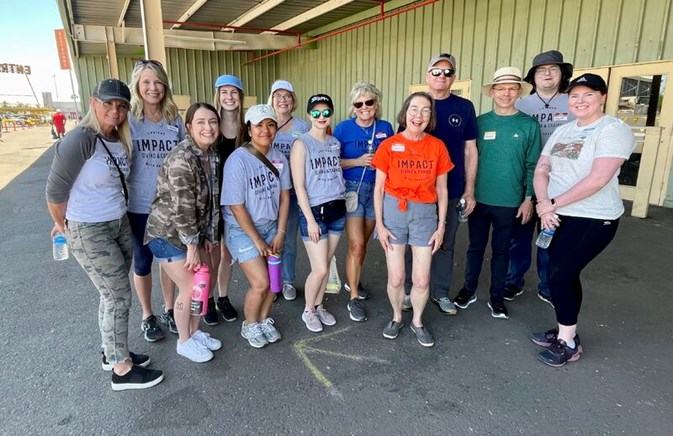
60, 246
370, 148
545, 237
462, 205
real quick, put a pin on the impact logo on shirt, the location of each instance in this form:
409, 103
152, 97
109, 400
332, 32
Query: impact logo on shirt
455, 120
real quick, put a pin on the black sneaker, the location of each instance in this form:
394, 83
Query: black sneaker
464, 298
136, 359
151, 328
558, 354
511, 292
211, 318
137, 378
498, 309
356, 310
545, 298
168, 319
545, 339
228, 311
363, 293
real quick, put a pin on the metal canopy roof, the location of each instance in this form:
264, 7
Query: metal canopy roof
87, 20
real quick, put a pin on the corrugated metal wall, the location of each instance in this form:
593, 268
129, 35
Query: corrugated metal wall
483, 35
191, 72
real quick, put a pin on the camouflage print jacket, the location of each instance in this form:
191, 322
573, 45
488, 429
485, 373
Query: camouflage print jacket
185, 210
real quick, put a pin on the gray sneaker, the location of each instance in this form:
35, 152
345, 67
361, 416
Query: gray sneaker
406, 304
310, 318
392, 329
289, 291
445, 305
253, 333
324, 316
270, 332
363, 293
356, 310
422, 335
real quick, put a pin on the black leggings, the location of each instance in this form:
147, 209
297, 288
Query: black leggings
576, 242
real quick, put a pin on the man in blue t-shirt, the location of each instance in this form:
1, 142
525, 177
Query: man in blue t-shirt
457, 128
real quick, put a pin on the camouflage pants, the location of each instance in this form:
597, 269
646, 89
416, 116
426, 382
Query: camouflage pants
104, 250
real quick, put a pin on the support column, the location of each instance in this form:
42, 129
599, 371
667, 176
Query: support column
153, 30
111, 53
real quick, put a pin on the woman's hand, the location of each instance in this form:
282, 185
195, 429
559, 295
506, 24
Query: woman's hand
549, 220
208, 246
313, 229
365, 160
384, 235
262, 247
277, 243
193, 260
437, 238
545, 206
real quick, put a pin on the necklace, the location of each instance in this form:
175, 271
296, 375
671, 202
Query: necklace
284, 124
546, 103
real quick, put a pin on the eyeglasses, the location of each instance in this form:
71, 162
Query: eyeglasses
326, 113
548, 70
506, 90
448, 72
121, 105
282, 97
425, 112
147, 62
368, 103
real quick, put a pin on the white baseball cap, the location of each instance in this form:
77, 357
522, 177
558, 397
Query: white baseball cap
259, 112
281, 84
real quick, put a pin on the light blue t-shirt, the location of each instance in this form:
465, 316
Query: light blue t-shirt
549, 115
151, 144
323, 178
248, 181
283, 140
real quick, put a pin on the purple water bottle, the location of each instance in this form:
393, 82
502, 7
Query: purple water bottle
275, 280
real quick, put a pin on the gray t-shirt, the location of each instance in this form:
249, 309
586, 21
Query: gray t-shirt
151, 144
550, 117
572, 150
323, 177
248, 181
283, 140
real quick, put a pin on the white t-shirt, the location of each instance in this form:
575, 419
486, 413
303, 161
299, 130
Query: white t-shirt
572, 150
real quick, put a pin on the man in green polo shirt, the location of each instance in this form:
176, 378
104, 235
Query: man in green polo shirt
509, 147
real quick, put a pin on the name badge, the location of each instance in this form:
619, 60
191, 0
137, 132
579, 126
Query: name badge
278, 164
381, 135
489, 136
398, 147
296, 134
172, 128
335, 147
560, 117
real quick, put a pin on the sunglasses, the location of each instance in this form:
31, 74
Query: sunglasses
359, 104
448, 72
326, 113
148, 61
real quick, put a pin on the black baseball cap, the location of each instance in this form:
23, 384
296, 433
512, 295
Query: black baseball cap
591, 81
319, 98
111, 89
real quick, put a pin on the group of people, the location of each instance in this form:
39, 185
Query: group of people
232, 186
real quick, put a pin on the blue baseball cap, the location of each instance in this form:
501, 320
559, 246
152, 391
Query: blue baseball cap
228, 79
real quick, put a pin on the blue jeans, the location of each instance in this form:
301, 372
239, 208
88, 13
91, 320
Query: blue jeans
479, 224
521, 255
289, 255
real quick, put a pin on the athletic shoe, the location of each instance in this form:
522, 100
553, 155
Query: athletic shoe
406, 303
324, 316
392, 329
206, 340
356, 310
310, 318
422, 335
545, 298
228, 311
558, 354
269, 330
136, 359
151, 329
445, 305
464, 298
511, 292
253, 333
137, 378
211, 318
168, 319
289, 291
545, 339
363, 293
498, 309
194, 351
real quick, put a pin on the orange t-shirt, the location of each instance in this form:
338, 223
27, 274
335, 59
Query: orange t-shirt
412, 167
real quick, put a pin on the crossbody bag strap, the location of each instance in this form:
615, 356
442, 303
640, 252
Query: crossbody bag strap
364, 169
121, 175
253, 151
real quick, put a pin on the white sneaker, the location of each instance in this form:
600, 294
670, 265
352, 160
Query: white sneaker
270, 332
194, 351
253, 333
206, 340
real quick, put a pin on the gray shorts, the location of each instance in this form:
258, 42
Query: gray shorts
413, 227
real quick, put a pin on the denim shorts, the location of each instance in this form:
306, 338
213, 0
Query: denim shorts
165, 252
365, 199
240, 245
415, 226
333, 228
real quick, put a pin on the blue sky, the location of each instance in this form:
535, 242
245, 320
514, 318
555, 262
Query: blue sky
27, 38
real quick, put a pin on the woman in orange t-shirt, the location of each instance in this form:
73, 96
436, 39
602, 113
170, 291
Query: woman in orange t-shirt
410, 193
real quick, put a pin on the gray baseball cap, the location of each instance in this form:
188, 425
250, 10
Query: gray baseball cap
443, 57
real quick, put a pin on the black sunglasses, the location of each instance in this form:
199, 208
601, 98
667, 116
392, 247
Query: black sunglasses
149, 61
359, 104
326, 113
448, 72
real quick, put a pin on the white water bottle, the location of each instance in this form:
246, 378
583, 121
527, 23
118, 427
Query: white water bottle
60, 246
545, 237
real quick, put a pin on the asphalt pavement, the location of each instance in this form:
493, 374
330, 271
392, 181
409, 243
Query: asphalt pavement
482, 376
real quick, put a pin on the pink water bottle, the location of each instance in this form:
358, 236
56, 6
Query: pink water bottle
275, 281
200, 290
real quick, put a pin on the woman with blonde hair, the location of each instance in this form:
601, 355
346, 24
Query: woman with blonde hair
156, 127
